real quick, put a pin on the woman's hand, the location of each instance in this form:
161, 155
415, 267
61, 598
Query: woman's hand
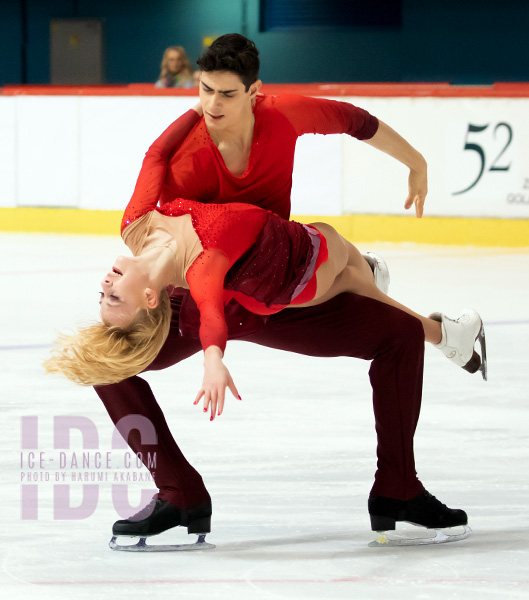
216, 379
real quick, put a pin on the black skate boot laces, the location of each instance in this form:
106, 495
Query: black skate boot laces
146, 511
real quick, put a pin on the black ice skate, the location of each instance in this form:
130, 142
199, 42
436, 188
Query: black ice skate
159, 516
425, 511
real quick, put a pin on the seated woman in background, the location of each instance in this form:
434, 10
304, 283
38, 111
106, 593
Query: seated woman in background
219, 252
176, 70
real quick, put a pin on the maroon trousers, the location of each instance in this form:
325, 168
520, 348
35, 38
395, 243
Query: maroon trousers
347, 325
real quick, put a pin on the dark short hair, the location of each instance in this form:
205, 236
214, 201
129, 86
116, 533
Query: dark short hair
232, 52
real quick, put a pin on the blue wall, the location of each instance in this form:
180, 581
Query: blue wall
10, 42
460, 41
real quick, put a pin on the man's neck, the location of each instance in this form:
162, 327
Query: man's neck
239, 137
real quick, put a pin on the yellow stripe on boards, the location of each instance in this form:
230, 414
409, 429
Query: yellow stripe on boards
61, 220
445, 231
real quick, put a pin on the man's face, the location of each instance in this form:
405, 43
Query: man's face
224, 99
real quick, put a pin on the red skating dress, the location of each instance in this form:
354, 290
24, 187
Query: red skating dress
222, 251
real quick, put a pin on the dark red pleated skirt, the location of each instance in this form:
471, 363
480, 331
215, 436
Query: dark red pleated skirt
279, 269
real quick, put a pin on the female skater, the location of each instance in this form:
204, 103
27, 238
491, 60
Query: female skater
219, 252
242, 150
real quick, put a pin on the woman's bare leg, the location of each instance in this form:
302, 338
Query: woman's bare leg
348, 271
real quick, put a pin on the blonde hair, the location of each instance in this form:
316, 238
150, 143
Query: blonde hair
100, 354
185, 71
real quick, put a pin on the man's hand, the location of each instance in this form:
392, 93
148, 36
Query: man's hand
389, 141
417, 190
216, 379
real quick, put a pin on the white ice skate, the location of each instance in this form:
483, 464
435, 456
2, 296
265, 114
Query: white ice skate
458, 339
380, 270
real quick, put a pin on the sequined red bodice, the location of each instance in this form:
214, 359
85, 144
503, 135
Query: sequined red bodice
183, 161
225, 231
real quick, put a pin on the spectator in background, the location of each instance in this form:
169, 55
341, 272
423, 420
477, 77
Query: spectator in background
176, 70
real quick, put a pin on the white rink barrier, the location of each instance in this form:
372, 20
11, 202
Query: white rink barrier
85, 151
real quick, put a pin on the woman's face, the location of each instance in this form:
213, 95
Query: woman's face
224, 99
174, 61
123, 292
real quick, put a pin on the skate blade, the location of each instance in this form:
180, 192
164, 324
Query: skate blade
477, 362
483, 347
142, 546
439, 538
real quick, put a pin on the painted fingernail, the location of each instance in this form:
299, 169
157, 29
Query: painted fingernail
205, 410
239, 397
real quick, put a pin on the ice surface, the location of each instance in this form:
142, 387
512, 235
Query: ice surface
289, 468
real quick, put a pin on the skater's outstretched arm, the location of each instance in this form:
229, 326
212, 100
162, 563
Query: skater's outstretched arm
151, 178
389, 141
206, 284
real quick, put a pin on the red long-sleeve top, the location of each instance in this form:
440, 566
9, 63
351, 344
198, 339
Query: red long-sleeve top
184, 162
197, 170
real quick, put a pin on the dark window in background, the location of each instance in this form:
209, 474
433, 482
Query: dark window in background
276, 15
